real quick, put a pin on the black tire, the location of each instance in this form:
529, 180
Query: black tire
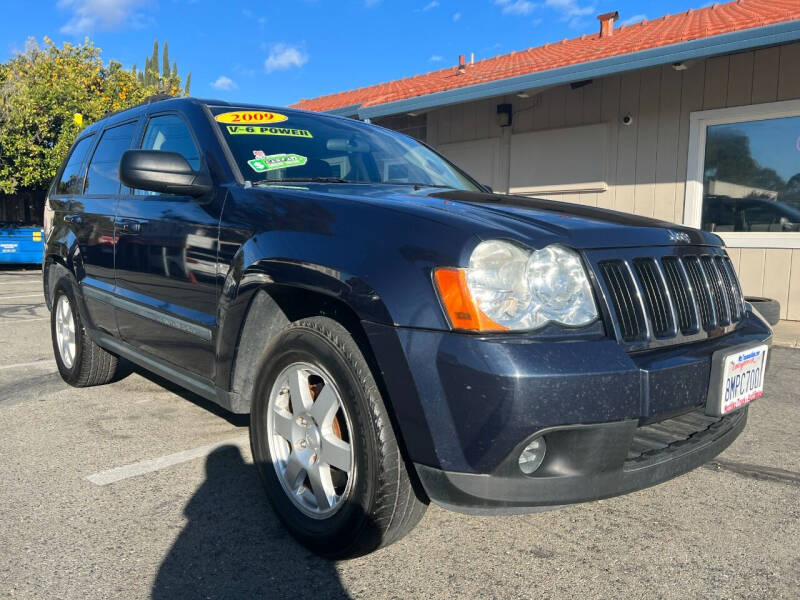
767, 308
90, 365
382, 504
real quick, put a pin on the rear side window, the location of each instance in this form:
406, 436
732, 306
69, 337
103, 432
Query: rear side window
72, 176
170, 133
103, 175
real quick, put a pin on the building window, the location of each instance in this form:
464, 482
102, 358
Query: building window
744, 175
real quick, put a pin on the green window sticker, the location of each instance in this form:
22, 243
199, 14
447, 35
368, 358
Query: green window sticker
266, 130
263, 163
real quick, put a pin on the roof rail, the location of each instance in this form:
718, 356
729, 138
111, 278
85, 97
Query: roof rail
156, 98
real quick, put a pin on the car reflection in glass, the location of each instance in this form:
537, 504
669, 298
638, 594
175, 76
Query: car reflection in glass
723, 213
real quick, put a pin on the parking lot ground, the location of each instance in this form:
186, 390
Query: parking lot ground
140, 490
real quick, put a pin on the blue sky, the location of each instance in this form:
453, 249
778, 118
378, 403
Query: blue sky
278, 52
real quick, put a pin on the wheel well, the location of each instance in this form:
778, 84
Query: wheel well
52, 263
272, 309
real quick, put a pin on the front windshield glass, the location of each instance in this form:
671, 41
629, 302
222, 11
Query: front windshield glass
274, 147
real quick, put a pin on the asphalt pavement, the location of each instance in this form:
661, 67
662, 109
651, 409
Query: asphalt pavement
138, 489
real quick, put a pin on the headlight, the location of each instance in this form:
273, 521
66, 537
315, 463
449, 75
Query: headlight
507, 287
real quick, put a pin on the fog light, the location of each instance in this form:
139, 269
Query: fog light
532, 456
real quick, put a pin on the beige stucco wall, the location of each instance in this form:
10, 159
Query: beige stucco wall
646, 162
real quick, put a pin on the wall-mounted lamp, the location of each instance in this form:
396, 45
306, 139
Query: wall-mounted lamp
503, 115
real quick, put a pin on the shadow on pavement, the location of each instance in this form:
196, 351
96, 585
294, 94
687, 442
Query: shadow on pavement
234, 546
126, 368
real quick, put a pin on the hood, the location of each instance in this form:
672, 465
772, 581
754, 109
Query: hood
583, 226
530, 220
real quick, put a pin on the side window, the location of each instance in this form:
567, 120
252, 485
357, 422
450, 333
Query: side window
103, 175
170, 133
72, 177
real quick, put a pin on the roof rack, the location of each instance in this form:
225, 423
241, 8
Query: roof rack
156, 98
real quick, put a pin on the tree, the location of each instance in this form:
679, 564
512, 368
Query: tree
164, 79
165, 72
41, 91
188, 84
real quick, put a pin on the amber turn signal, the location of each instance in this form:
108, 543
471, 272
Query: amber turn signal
461, 309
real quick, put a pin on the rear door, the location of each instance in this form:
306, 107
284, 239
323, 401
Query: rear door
90, 215
166, 261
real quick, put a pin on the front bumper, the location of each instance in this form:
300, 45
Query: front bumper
591, 462
465, 406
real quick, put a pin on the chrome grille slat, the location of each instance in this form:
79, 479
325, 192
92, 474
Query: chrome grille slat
717, 290
655, 295
732, 287
701, 292
622, 292
681, 294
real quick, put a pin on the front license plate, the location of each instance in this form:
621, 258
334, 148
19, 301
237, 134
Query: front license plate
742, 381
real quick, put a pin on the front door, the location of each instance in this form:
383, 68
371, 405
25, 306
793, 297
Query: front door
166, 262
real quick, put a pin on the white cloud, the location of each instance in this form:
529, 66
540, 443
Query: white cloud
430, 5
456, 17
224, 83
436, 58
634, 19
91, 15
516, 7
570, 8
284, 56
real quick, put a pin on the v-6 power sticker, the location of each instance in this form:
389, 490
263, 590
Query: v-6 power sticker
250, 117
262, 163
264, 130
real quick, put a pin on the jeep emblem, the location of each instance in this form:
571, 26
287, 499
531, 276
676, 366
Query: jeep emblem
679, 236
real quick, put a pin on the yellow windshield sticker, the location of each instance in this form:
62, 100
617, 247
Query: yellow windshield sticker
250, 117
264, 130
262, 163
37, 236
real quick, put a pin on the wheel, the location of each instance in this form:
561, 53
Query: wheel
324, 446
767, 308
80, 361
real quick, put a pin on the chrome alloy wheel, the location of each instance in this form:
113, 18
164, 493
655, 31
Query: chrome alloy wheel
310, 433
65, 331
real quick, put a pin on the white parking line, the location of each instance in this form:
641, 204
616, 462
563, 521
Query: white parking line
37, 364
162, 462
39, 295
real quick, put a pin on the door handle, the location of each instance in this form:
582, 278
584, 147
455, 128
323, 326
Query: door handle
129, 226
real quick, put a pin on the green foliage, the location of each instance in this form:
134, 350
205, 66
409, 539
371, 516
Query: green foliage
186, 91
41, 90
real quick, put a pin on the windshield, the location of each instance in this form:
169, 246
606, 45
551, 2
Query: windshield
279, 147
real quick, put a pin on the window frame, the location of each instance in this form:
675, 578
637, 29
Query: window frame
100, 134
83, 166
699, 121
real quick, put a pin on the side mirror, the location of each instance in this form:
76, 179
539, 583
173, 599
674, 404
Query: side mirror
164, 172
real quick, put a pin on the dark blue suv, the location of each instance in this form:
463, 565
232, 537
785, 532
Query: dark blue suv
397, 332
